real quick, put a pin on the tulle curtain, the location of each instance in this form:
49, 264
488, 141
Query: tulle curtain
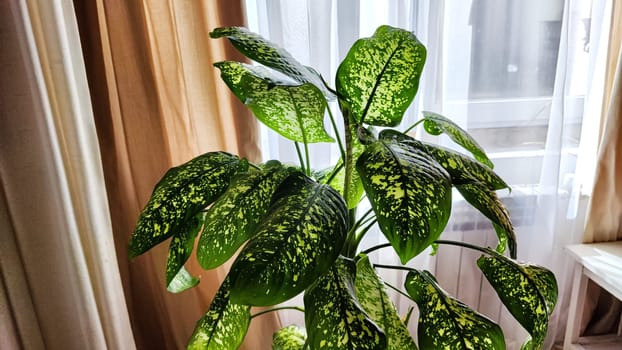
524, 77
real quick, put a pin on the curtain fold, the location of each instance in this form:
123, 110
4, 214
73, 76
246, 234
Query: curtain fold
158, 102
61, 287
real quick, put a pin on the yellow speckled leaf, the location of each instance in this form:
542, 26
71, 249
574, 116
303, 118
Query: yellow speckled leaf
294, 111
461, 168
437, 124
177, 278
296, 242
289, 338
258, 49
409, 192
372, 295
224, 325
180, 195
333, 315
231, 220
528, 291
447, 323
487, 202
379, 77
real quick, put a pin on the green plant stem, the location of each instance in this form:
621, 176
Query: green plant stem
414, 125
364, 231
466, 245
397, 290
394, 267
408, 314
334, 173
298, 308
307, 157
376, 247
348, 159
336, 130
363, 219
300, 159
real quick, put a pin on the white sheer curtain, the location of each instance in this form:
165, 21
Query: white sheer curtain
60, 286
524, 77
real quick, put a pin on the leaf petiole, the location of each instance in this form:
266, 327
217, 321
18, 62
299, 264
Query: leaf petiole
298, 308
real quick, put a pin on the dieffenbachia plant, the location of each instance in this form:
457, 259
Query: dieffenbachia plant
296, 230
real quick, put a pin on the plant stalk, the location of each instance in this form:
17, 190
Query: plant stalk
298, 308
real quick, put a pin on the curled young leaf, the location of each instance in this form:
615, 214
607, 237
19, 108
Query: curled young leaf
528, 291
409, 192
437, 124
295, 243
180, 195
333, 315
446, 322
379, 77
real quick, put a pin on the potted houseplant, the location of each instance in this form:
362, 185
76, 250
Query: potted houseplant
299, 228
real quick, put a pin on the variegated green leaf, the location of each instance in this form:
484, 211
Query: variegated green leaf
487, 202
181, 194
461, 168
234, 216
372, 295
409, 192
296, 242
437, 124
333, 316
379, 77
295, 112
289, 338
258, 49
447, 323
528, 291
224, 325
177, 278
182, 281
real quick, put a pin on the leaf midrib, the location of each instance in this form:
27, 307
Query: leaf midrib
377, 83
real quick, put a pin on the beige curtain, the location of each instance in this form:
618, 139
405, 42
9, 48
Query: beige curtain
604, 217
60, 286
158, 102
604, 221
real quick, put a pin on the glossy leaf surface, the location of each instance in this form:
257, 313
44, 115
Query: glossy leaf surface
234, 216
182, 193
295, 243
372, 295
177, 278
528, 291
487, 202
379, 77
289, 338
447, 323
461, 168
334, 318
224, 325
409, 192
294, 111
436, 124
260, 50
